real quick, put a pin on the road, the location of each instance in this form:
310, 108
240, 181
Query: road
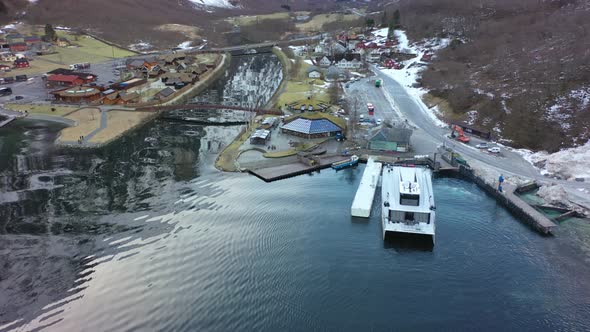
393, 102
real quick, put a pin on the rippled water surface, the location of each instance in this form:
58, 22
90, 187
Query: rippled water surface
167, 243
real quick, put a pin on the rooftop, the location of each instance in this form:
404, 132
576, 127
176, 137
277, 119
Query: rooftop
311, 126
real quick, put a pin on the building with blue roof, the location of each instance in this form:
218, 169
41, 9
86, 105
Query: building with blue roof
311, 128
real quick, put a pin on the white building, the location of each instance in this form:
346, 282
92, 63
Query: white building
314, 74
345, 64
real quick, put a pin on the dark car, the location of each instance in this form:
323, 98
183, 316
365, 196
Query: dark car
19, 97
5, 91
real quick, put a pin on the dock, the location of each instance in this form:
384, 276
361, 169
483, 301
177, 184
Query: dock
509, 198
274, 173
363, 200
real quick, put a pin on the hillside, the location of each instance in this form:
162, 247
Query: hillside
520, 68
164, 23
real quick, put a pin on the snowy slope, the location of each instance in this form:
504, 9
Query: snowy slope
213, 3
410, 73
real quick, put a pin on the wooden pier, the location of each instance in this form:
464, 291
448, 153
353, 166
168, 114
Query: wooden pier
274, 173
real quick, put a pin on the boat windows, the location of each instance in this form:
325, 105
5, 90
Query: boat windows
407, 199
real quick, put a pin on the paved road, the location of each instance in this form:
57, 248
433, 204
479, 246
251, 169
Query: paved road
395, 102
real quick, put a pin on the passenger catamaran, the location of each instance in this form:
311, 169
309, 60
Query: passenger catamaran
408, 201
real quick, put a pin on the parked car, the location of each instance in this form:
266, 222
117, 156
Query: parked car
379, 121
483, 145
18, 97
494, 149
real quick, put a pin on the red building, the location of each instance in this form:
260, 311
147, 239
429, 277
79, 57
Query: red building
68, 80
21, 63
18, 47
390, 63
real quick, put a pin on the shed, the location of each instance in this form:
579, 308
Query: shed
391, 140
164, 93
260, 137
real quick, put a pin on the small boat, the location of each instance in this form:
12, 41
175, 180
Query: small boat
353, 160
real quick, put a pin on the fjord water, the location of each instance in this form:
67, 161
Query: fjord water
213, 252
168, 243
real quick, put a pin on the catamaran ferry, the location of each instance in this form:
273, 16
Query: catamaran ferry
408, 201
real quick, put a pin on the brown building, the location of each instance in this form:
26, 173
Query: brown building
77, 94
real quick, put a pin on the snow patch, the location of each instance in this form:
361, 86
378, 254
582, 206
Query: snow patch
568, 164
141, 46
213, 3
185, 45
471, 117
309, 62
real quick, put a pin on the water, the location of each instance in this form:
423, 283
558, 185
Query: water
227, 251
145, 235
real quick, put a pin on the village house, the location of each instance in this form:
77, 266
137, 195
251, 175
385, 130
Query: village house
15, 38
313, 72
374, 56
4, 67
74, 79
63, 42
390, 63
128, 98
21, 63
348, 61
352, 64
18, 47
391, 140
29, 40
151, 69
323, 61
178, 80
8, 57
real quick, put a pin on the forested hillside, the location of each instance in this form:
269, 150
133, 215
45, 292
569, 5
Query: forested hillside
523, 66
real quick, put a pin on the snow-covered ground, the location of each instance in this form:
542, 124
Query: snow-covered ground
412, 68
185, 45
141, 46
213, 3
568, 164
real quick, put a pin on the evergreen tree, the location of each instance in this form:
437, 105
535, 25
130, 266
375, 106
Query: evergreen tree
396, 19
370, 23
390, 33
50, 34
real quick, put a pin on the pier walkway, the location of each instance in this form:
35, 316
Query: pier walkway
363, 200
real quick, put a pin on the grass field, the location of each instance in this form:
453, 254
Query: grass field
247, 20
227, 159
316, 22
42, 108
88, 119
119, 122
88, 50
443, 106
298, 89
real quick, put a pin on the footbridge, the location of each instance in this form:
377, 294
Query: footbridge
163, 108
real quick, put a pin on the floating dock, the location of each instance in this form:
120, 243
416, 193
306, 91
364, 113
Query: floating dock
273, 173
363, 201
